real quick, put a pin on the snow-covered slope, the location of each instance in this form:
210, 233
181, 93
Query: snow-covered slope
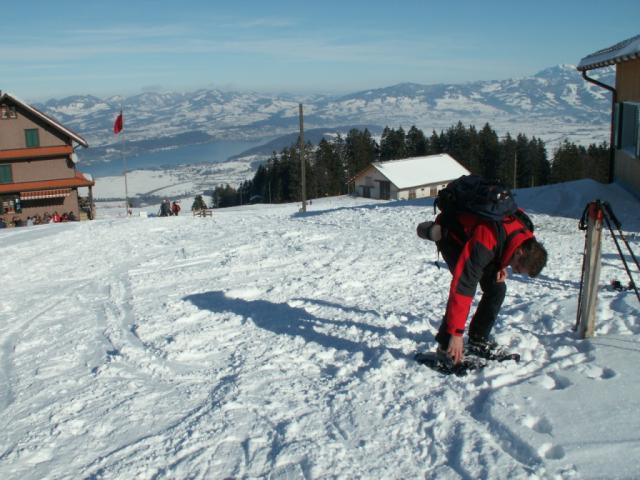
264, 343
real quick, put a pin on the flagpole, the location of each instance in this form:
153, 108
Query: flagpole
124, 161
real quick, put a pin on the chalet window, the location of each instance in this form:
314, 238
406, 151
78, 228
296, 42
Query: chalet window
7, 111
5, 174
10, 204
32, 138
627, 128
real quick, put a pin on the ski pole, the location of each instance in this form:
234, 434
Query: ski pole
619, 228
624, 261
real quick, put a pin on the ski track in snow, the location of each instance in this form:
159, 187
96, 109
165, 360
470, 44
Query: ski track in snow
262, 343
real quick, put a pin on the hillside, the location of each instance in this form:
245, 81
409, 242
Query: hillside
264, 343
552, 104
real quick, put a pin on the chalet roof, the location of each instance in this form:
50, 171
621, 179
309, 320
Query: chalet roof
416, 171
620, 52
46, 118
78, 181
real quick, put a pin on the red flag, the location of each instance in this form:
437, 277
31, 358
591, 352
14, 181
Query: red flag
119, 124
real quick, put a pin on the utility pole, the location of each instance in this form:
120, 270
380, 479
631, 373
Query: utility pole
302, 164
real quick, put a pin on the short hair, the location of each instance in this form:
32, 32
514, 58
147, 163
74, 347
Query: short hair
534, 256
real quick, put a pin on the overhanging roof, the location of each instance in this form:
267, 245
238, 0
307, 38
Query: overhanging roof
36, 152
46, 118
620, 52
417, 171
78, 181
43, 194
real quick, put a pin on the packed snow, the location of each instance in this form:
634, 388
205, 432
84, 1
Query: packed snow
263, 342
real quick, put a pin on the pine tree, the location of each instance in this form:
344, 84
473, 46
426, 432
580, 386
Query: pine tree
393, 144
567, 164
520, 161
462, 144
488, 152
198, 203
328, 170
259, 183
508, 152
435, 143
338, 168
416, 143
360, 151
542, 167
599, 157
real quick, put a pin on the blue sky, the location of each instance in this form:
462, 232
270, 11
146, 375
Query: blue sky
53, 49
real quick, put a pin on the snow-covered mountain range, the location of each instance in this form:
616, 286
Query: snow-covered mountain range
553, 104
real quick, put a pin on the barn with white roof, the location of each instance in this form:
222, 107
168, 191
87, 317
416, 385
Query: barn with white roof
408, 178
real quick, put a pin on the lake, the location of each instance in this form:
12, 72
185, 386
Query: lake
214, 152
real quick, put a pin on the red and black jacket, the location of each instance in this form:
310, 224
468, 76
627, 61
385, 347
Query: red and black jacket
481, 244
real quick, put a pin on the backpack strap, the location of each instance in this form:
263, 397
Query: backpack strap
501, 242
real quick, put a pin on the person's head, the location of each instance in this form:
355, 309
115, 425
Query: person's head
529, 258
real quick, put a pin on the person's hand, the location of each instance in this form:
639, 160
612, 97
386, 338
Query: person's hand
502, 276
456, 349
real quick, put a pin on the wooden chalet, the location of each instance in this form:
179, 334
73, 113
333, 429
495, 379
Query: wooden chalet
38, 173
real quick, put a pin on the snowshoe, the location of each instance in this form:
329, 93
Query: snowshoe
441, 362
489, 350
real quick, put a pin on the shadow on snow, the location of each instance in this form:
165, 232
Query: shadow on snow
283, 319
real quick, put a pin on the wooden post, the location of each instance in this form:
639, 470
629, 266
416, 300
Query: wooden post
588, 303
303, 174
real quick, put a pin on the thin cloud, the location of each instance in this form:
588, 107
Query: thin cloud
267, 22
132, 31
386, 49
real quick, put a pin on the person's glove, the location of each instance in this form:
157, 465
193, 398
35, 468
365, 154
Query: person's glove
429, 231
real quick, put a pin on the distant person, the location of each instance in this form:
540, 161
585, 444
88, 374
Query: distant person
56, 218
175, 208
3, 224
165, 208
29, 222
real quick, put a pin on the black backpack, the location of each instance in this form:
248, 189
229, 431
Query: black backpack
488, 199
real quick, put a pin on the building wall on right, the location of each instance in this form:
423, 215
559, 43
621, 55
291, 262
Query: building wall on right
628, 81
627, 172
627, 126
